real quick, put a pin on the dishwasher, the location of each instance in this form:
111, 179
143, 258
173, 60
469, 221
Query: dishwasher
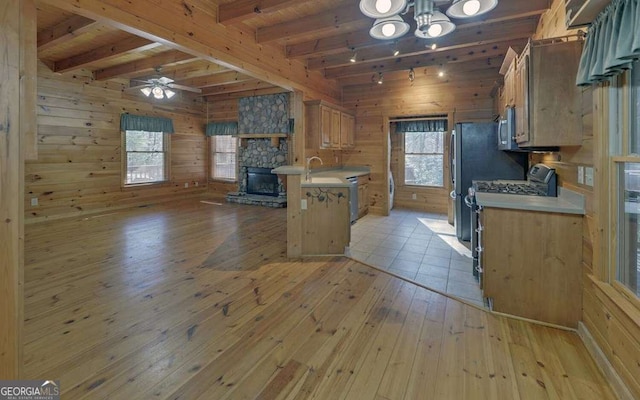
353, 198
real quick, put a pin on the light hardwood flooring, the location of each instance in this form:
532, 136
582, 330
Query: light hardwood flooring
188, 300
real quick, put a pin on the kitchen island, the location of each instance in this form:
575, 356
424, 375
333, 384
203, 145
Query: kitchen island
531, 255
318, 212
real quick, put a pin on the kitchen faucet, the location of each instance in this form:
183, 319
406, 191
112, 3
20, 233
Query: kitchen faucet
308, 172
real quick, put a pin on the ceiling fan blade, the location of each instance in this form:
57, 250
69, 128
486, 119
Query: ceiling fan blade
183, 87
137, 87
164, 80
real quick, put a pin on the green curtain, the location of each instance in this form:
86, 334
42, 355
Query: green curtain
129, 122
222, 128
427, 125
613, 43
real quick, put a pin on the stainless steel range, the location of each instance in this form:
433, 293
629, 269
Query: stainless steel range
542, 181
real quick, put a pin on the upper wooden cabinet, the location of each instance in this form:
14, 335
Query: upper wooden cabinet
509, 91
332, 127
548, 102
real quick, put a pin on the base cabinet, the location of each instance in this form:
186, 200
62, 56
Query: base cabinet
363, 195
532, 264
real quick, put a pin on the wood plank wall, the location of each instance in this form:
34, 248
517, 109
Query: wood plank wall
463, 94
606, 314
79, 170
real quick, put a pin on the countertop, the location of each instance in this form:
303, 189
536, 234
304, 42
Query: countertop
567, 202
340, 173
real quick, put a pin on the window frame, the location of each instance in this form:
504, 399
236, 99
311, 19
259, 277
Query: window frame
166, 145
618, 152
403, 165
212, 152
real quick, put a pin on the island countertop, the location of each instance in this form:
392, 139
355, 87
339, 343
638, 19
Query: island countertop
567, 202
339, 175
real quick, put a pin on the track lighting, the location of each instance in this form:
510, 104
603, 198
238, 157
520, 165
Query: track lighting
380, 80
354, 56
412, 75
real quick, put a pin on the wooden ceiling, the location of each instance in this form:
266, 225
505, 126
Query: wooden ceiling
321, 34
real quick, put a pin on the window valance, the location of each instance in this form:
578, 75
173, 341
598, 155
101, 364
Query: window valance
427, 125
222, 128
612, 43
129, 122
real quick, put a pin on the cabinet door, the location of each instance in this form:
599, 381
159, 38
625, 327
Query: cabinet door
347, 131
325, 126
522, 98
509, 97
335, 129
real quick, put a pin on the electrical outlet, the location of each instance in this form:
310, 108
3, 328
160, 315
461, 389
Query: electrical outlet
588, 176
581, 174
414, 196
186, 185
303, 204
196, 183
34, 202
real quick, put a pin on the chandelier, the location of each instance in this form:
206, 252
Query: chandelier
431, 22
158, 91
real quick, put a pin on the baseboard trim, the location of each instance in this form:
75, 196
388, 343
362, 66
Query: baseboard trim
617, 384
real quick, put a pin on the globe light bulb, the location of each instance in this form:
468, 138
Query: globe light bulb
388, 30
157, 92
383, 6
435, 30
471, 7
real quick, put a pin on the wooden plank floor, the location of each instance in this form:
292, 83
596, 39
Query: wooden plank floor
188, 300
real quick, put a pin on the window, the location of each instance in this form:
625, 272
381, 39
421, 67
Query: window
424, 158
626, 158
223, 157
146, 157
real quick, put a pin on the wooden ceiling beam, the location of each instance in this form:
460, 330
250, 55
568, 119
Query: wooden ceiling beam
192, 27
413, 46
65, 30
485, 52
219, 79
253, 84
505, 11
145, 66
133, 43
238, 11
247, 93
320, 23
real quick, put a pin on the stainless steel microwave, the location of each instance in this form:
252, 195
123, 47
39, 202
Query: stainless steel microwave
507, 130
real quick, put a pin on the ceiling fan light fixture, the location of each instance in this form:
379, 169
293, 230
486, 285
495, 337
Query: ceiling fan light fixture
440, 26
382, 8
389, 28
470, 8
169, 93
157, 91
146, 91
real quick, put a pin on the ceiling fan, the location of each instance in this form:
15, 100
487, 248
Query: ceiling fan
161, 87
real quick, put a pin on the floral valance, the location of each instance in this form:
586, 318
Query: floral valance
427, 125
129, 122
222, 128
612, 44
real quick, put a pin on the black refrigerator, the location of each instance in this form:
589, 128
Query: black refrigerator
475, 156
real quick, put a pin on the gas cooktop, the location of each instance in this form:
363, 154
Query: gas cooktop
542, 182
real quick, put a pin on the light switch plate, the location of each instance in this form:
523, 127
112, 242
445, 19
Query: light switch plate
581, 174
186, 184
34, 201
588, 176
303, 204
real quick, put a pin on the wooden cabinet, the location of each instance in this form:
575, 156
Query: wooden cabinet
548, 103
347, 131
509, 90
531, 263
330, 126
363, 195
326, 228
